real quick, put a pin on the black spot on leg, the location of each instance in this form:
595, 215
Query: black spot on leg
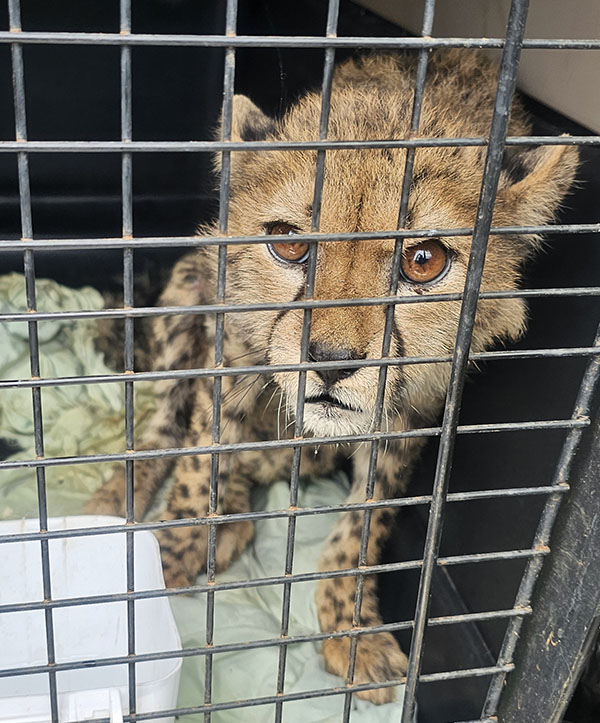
338, 609
341, 559
367, 620
336, 538
195, 463
166, 550
191, 547
328, 589
338, 605
184, 491
204, 490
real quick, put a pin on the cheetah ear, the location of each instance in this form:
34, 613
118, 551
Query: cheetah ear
248, 122
534, 182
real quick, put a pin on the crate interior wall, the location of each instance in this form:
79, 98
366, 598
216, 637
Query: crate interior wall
73, 93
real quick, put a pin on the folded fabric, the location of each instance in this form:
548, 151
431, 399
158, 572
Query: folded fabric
77, 419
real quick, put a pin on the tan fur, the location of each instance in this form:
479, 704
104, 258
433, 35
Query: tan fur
371, 99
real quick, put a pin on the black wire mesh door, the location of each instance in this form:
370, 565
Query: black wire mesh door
28, 247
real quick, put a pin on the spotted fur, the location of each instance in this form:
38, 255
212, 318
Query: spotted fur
371, 99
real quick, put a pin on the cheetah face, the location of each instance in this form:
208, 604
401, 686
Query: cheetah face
344, 398
272, 194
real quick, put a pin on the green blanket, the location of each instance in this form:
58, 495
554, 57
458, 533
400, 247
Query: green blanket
87, 419
81, 419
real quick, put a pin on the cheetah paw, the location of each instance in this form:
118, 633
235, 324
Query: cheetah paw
378, 659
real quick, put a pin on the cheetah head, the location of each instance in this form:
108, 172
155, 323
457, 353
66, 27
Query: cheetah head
272, 195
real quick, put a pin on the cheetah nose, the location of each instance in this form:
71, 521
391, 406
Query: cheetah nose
319, 351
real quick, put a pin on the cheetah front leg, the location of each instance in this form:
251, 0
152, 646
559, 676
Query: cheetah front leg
185, 549
177, 342
378, 656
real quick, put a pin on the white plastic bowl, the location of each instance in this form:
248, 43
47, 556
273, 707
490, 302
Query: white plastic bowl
83, 566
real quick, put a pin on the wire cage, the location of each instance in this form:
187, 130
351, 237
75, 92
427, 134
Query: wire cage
525, 665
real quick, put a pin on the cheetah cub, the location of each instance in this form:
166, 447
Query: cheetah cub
271, 194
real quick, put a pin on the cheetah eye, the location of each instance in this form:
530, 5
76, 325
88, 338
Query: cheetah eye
293, 252
425, 262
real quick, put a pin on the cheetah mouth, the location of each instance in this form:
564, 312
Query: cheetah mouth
328, 402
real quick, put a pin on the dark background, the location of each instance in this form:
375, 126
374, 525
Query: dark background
72, 93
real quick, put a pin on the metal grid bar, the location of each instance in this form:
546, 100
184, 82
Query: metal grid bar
269, 643
149, 311
291, 41
128, 302
305, 695
226, 127
273, 514
507, 79
420, 76
14, 10
309, 284
553, 353
290, 444
542, 537
470, 559
329, 145
546, 675
199, 242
